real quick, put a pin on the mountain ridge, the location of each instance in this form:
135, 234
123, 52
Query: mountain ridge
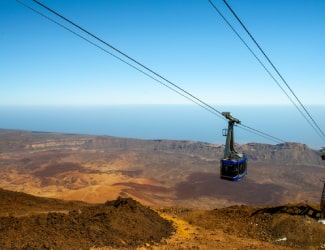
155, 172
266, 152
68, 191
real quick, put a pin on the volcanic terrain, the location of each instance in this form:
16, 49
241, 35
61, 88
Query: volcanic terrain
158, 194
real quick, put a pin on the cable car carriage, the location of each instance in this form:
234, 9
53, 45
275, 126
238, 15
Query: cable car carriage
322, 153
233, 165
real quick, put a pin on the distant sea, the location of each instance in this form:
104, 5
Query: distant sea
175, 122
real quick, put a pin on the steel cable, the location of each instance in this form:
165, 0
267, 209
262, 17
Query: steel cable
172, 86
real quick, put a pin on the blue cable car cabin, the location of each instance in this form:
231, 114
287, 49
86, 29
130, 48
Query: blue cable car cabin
233, 165
233, 170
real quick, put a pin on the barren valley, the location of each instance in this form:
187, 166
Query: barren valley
179, 180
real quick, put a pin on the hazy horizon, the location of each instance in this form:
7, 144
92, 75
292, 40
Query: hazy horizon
175, 122
68, 81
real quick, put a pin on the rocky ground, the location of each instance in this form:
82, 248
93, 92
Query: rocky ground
170, 195
240, 227
28, 222
119, 223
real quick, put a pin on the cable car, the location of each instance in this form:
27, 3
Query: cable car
323, 153
233, 165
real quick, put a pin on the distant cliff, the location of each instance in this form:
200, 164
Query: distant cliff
284, 153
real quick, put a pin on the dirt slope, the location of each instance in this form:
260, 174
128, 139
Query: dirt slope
178, 177
291, 226
119, 223
28, 222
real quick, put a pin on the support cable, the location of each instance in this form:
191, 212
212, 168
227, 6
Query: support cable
260, 133
311, 121
276, 70
120, 59
172, 86
264, 67
125, 55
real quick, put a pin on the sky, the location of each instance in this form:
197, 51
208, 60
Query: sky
186, 42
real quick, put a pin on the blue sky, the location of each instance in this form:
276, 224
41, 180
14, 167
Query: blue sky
185, 41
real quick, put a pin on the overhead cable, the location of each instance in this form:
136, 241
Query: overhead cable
128, 57
276, 70
171, 85
119, 58
311, 121
260, 133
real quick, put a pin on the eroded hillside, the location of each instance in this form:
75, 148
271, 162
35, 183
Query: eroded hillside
28, 222
155, 172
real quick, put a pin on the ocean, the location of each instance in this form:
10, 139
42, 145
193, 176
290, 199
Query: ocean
175, 122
